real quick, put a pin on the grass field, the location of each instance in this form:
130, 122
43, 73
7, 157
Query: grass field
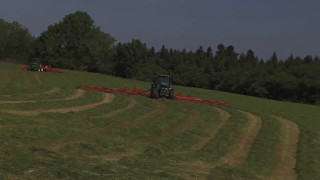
49, 129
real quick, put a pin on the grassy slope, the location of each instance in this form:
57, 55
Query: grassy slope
30, 146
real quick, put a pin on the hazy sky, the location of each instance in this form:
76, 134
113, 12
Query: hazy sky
281, 26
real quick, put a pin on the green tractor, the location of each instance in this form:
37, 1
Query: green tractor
162, 87
35, 66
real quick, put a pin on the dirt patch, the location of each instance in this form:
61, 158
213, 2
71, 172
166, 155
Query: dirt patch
108, 98
239, 151
224, 116
160, 110
181, 126
77, 94
131, 105
286, 150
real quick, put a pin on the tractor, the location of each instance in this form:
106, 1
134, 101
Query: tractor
162, 87
35, 66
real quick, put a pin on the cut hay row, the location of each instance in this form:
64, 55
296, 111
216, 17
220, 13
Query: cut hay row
108, 98
75, 95
51, 91
48, 92
25, 78
224, 116
159, 111
286, 150
181, 126
239, 151
235, 156
131, 105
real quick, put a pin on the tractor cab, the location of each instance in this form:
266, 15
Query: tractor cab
35, 65
162, 87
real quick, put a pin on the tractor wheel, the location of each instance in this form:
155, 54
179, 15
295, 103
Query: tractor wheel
171, 94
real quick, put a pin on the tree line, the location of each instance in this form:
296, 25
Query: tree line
77, 43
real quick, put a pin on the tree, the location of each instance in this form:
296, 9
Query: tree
209, 52
74, 43
200, 50
250, 54
164, 53
274, 58
221, 49
308, 59
3, 37
15, 41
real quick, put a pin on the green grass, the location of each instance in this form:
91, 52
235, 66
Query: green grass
71, 146
265, 145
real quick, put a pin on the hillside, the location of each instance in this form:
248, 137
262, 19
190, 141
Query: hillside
49, 129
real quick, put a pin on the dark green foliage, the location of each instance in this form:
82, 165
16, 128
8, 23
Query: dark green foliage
74, 43
15, 41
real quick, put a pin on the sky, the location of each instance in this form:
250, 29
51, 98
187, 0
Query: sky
282, 26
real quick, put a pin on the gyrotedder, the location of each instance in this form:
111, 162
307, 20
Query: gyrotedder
160, 88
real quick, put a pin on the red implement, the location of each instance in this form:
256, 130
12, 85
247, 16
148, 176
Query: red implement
50, 69
46, 69
146, 93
